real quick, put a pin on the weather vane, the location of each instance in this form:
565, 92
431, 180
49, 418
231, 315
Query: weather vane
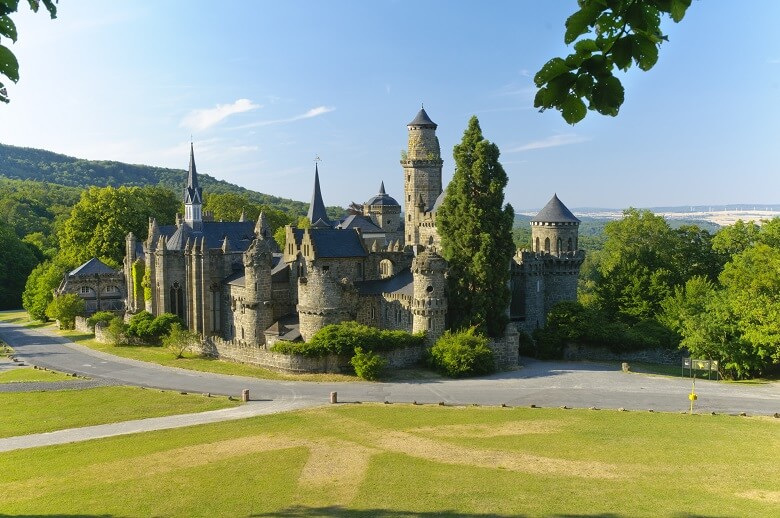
317, 158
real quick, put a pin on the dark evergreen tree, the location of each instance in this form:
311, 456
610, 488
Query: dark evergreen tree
476, 234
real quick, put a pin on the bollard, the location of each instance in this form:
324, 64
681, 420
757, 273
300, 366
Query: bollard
334, 398
245, 395
626, 367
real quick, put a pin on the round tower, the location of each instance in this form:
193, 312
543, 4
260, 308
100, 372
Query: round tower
323, 300
555, 229
422, 166
429, 307
258, 312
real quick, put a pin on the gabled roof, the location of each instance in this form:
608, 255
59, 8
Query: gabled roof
332, 242
364, 224
239, 233
422, 119
317, 207
555, 212
438, 201
402, 283
91, 267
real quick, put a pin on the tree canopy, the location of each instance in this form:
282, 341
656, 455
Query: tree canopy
607, 35
476, 235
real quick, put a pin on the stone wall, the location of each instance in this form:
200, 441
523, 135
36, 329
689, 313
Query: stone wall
659, 356
253, 355
506, 349
81, 325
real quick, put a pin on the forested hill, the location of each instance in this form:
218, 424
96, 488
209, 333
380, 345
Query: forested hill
21, 163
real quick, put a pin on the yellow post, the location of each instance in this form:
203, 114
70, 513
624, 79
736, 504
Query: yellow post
692, 396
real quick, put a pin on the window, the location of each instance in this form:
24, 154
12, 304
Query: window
569, 246
547, 245
86, 290
111, 289
536, 248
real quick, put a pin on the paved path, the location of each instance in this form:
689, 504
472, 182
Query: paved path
251, 409
545, 384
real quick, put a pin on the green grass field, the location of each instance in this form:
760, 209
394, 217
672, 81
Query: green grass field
23, 413
26, 374
400, 460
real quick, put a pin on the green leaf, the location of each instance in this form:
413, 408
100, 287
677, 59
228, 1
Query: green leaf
3, 93
7, 28
573, 109
577, 24
645, 52
586, 46
559, 88
621, 53
551, 70
584, 85
608, 96
9, 67
678, 9
541, 99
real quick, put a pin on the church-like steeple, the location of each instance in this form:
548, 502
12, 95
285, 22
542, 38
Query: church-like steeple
193, 196
317, 206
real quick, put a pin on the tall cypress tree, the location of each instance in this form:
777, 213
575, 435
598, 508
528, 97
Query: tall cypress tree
476, 235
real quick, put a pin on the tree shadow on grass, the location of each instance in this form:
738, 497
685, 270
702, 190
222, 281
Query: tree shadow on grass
338, 511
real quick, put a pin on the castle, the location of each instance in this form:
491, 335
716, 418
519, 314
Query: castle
230, 281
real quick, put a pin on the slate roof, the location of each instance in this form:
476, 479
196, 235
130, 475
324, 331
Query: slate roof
382, 198
192, 193
239, 233
401, 283
555, 212
364, 224
236, 279
332, 242
286, 328
438, 201
422, 119
317, 206
92, 267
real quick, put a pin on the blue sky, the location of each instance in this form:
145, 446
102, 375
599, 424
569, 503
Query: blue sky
263, 87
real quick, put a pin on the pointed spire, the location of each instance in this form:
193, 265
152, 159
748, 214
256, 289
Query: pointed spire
154, 231
162, 243
375, 246
192, 176
262, 230
193, 195
242, 218
317, 206
225, 244
421, 202
382, 188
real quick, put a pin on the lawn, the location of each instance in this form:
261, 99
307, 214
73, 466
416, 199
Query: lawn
26, 374
24, 413
400, 460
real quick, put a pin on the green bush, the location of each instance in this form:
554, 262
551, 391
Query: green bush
150, 329
162, 324
100, 316
66, 308
117, 331
344, 338
367, 364
460, 354
179, 340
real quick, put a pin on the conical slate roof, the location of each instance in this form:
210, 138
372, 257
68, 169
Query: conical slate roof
555, 212
317, 206
422, 119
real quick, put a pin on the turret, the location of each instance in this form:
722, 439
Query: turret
422, 166
555, 229
429, 308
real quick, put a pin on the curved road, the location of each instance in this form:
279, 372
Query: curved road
545, 384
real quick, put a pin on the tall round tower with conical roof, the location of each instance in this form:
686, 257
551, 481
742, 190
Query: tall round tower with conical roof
422, 166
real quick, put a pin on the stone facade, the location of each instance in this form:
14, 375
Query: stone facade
230, 283
101, 287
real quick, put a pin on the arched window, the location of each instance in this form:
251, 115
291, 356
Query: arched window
385, 268
177, 300
536, 248
569, 248
547, 245
558, 246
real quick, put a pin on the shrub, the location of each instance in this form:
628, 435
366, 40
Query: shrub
140, 324
65, 308
179, 340
117, 331
367, 364
460, 354
100, 316
162, 324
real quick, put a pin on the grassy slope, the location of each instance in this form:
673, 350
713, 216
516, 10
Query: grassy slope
24, 374
380, 460
22, 412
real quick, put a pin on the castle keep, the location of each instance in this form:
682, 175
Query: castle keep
231, 283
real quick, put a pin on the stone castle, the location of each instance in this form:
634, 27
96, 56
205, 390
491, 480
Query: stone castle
229, 281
